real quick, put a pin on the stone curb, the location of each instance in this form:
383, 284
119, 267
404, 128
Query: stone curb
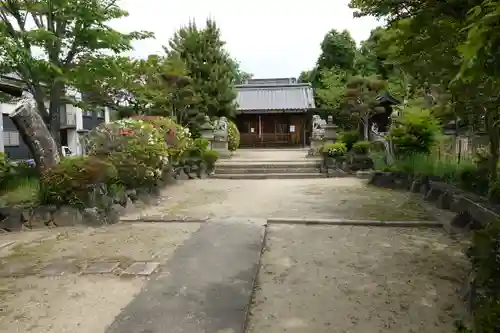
165, 220
255, 279
363, 223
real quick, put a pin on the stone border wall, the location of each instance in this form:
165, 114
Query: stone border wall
472, 212
14, 219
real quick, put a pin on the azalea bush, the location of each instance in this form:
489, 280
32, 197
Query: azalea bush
135, 147
78, 181
177, 137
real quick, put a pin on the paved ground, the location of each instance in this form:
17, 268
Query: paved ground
313, 279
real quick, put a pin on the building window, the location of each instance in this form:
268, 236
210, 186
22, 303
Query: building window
100, 113
11, 138
87, 113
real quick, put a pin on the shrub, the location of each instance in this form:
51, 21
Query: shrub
209, 158
485, 257
233, 136
349, 138
77, 181
336, 149
425, 165
416, 132
177, 137
134, 147
494, 192
361, 147
196, 150
4, 169
473, 179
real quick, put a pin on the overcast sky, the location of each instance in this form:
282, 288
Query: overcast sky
271, 38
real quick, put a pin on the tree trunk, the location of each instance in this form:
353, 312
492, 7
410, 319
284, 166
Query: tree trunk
366, 128
494, 138
36, 135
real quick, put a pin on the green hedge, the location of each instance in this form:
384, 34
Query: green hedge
233, 136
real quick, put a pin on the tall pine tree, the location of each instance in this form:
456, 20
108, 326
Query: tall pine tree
210, 68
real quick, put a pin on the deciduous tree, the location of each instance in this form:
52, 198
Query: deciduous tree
46, 43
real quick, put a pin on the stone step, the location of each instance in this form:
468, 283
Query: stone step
266, 165
230, 170
269, 176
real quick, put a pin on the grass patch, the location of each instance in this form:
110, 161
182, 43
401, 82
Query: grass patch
20, 192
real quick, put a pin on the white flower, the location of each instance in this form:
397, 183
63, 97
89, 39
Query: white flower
164, 160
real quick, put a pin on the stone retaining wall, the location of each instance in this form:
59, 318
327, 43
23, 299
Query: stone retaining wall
39, 216
472, 211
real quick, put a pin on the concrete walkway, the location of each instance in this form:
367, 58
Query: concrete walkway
206, 288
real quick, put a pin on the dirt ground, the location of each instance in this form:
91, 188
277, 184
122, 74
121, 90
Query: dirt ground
314, 279
348, 198
67, 301
358, 279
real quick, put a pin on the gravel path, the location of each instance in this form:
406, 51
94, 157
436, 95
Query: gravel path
348, 198
358, 279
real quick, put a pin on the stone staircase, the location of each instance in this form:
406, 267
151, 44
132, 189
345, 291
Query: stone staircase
268, 169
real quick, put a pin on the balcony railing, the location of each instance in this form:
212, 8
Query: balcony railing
68, 119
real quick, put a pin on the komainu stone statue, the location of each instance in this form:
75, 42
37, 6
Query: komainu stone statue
317, 136
220, 129
318, 128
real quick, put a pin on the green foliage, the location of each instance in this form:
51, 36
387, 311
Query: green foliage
77, 181
233, 136
134, 147
72, 40
199, 146
338, 50
177, 137
349, 138
336, 149
425, 165
210, 157
4, 168
485, 258
210, 68
416, 132
473, 179
361, 147
332, 87
494, 192
481, 46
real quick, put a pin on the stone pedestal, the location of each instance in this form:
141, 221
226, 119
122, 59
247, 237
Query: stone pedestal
316, 144
221, 146
220, 141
